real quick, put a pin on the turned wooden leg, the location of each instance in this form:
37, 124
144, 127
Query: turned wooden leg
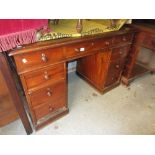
79, 26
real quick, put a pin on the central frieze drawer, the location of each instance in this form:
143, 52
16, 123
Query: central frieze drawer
77, 49
33, 60
45, 76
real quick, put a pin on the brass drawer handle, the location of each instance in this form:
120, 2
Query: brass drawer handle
44, 57
49, 92
82, 49
46, 76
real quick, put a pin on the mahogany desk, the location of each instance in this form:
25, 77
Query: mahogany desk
42, 70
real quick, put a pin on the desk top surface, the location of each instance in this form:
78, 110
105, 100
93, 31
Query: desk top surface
65, 41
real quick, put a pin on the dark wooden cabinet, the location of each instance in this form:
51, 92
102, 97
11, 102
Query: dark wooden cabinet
42, 69
135, 65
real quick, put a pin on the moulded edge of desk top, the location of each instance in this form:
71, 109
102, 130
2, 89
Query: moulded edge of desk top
65, 41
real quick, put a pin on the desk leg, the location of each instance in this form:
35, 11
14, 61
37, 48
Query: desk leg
5, 68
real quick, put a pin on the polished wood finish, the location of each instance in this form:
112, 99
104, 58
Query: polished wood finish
16, 100
145, 37
42, 69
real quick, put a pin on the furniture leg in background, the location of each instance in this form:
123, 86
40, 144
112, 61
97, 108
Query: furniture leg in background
141, 56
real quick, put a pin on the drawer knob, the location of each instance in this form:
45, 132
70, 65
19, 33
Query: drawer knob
50, 109
24, 60
107, 43
49, 92
46, 76
82, 49
117, 66
124, 39
120, 52
92, 44
44, 57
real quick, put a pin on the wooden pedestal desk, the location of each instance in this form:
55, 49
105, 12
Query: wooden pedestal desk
145, 37
42, 69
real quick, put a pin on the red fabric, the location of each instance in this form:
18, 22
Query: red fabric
15, 25
14, 32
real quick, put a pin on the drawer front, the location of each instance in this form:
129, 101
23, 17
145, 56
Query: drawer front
47, 94
84, 48
114, 72
45, 76
123, 39
49, 107
149, 41
119, 53
34, 60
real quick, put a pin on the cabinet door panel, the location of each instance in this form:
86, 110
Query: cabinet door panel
94, 68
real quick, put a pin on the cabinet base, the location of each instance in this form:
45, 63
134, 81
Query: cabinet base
99, 89
58, 115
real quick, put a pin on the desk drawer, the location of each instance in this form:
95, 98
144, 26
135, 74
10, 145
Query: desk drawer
114, 72
45, 76
123, 39
48, 108
48, 94
119, 53
86, 47
33, 60
149, 41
